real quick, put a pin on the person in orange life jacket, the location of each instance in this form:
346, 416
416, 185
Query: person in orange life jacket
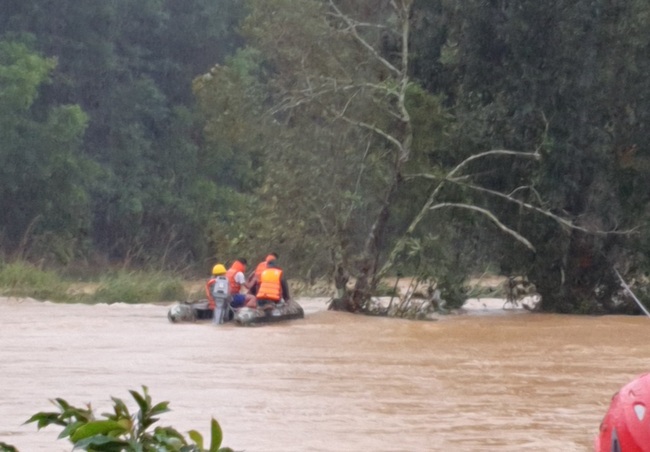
254, 278
273, 287
237, 280
217, 270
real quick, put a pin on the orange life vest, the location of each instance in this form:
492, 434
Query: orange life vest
235, 268
208, 292
259, 269
270, 285
262, 266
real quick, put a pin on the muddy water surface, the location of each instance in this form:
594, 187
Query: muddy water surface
510, 381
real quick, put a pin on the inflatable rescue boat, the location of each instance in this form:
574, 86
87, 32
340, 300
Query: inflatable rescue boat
199, 311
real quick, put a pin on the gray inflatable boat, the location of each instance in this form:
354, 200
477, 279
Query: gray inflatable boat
198, 311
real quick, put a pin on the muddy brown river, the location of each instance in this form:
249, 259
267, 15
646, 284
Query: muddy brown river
490, 380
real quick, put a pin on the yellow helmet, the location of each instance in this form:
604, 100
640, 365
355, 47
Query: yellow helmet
218, 269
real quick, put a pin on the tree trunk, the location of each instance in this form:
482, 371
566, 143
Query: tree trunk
366, 282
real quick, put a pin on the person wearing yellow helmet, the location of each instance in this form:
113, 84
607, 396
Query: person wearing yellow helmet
217, 270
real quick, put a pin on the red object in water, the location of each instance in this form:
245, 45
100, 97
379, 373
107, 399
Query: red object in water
626, 426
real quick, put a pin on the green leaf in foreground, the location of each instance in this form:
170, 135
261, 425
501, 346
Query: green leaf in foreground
216, 436
197, 438
111, 428
121, 431
4, 447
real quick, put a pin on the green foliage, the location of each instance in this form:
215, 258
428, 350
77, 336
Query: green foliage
42, 175
4, 447
138, 287
102, 147
21, 279
21, 73
122, 430
139, 192
230, 100
517, 79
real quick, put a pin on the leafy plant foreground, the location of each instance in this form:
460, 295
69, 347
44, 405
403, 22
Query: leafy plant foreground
123, 431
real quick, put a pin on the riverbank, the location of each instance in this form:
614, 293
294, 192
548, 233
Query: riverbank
21, 279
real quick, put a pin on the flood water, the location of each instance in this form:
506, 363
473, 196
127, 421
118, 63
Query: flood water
502, 381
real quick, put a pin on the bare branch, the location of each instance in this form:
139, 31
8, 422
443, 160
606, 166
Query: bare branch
424, 176
352, 27
527, 187
501, 152
461, 165
399, 246
545, 212
492, 218
347, 104
357, 185
309, 94
384, 88
388, 137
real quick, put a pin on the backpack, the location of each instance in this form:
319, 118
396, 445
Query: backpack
221, 295
221, 288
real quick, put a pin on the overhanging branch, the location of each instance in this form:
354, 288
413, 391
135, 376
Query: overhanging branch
498, 152
492, 218
399, 246
545, 212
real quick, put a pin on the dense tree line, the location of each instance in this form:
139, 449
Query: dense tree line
356, 139
117, 166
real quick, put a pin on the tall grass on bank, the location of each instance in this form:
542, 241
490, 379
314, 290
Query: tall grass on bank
22, 279
139, 287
